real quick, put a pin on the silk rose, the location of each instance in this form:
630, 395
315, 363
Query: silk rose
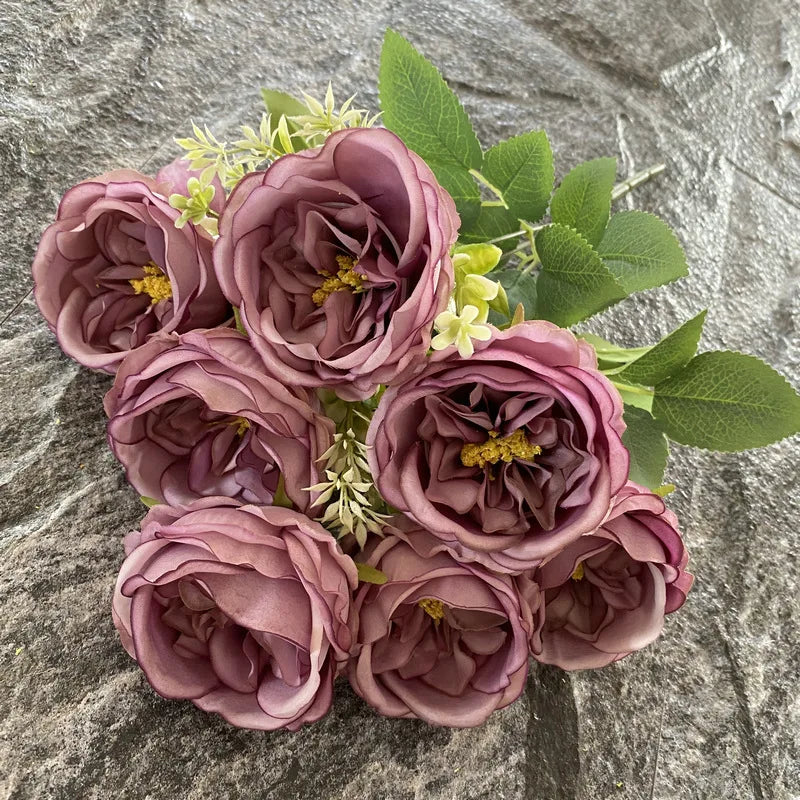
338, 259
245, 611
443, 641
507, 456
606, 594
197, 415
113, 269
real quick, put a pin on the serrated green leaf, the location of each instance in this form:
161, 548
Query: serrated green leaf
368, 574
583, 199
422, 109
641, 251
522, 169
573, 283
668, 356
462, 188
727, 401
491, 223
647, 445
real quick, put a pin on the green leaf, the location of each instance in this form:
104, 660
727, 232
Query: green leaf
522, 169
237, 318
520, 288
368, 574
647, 445
491, 222
583, 200
574, 283
641, 251
727, 401
462, 188
150, 501
280, 104
668, 356
422, 110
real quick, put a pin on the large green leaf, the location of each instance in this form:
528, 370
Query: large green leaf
522, 169
583, 200
422, 110
641, 251
520, 288
668, 356
573, 283
280, 104
647, 445
727, 401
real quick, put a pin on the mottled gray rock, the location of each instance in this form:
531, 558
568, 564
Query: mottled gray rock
711, 87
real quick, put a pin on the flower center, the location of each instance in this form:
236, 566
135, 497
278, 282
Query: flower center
154, 283
577, 575
241, 424
433, 608
345, 278
495, 449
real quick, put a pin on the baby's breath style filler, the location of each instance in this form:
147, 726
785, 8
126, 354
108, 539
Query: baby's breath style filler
356, 386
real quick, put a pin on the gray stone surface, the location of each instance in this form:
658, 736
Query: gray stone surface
711, 87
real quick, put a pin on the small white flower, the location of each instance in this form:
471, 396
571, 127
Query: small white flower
459, 330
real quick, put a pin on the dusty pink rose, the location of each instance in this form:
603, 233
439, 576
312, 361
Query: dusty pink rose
507, 456
245, 611
197, 415
113, 269
606, 594
443, 641
338, 259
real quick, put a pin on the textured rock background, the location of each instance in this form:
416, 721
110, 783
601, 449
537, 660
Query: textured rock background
711, 87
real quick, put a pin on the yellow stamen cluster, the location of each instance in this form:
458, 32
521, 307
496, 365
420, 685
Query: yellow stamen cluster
345, 278
433, 608
495, 449
578, 574
154, 283
241, 424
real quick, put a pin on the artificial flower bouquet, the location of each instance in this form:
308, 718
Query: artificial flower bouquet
346, 384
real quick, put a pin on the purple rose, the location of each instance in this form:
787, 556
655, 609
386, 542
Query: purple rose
245, 611
197, 415
606, 594
338, 259
440, 640
113, 269
507, 456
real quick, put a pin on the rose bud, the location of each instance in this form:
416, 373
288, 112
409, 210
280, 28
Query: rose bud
606, 594
440, 640
507, 456
245, 611
113, 269
338, 258
197, 415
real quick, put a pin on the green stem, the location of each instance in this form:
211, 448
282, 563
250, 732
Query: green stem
493, 189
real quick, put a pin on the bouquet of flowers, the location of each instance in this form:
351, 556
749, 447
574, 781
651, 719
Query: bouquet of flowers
347, 386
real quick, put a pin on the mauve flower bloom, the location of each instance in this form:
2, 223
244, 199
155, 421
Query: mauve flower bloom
443, 641
113, 269
506, 456
607, 593
197, 415
244, 610
338, 259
